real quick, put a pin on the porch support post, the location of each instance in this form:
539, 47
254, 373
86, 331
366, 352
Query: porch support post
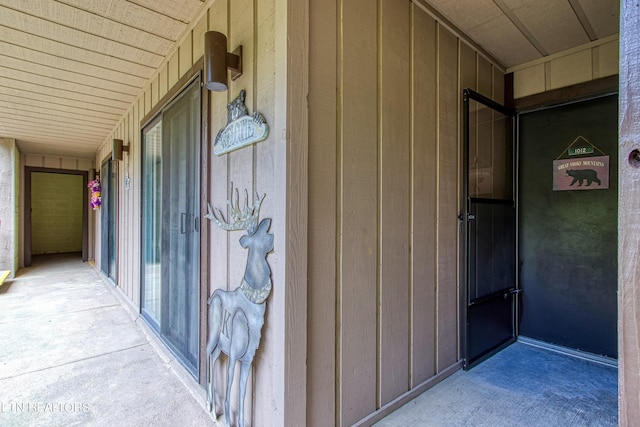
8, 205
628, 219
291, 199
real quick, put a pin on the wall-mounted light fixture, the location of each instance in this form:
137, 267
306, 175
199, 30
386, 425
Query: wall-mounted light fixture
117, 148
217, 60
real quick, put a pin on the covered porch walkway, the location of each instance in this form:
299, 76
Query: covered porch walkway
72, 354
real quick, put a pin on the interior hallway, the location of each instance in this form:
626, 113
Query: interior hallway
71, 354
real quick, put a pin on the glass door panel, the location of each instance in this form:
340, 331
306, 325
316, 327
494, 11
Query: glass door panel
171, 232
151, 231
108, 219
181, 136
490, 159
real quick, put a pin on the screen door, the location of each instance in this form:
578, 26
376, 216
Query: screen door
489, 225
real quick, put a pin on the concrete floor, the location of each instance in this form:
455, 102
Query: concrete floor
522, 386
72, 354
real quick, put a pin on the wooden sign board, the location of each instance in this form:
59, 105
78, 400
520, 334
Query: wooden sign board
586, 173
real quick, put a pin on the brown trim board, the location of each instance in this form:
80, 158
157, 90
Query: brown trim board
593, 88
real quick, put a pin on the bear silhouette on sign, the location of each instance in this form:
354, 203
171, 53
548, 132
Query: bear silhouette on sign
581, 175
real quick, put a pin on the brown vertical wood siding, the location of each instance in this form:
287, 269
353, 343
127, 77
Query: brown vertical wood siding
385, 91
261, 167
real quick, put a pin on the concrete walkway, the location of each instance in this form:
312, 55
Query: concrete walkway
522, 386
71, 354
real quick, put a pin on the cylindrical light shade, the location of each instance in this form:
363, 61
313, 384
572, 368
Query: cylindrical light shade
116, 149
215, 61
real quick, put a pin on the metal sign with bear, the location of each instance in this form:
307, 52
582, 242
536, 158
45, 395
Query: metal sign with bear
586, 173
242, 129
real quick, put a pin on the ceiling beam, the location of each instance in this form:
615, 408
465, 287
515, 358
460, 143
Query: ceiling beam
584, 21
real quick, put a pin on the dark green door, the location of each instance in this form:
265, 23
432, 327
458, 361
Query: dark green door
569, 239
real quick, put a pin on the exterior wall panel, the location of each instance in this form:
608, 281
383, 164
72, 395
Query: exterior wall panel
582, 64
219, 240
394, 201
173, 68
570, 69
384, 185
448, 197
357, 344
321, 374
423, 198
322, 215
256, 168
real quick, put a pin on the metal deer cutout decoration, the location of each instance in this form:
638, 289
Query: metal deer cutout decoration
236, 317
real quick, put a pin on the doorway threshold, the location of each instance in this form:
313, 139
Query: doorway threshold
578, 354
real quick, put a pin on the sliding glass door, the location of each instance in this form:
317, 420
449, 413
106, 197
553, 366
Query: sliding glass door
170, 224
109, 219
152, 221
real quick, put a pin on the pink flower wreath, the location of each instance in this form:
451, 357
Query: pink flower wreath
96, 189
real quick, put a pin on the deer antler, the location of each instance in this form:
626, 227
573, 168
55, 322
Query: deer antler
241, 219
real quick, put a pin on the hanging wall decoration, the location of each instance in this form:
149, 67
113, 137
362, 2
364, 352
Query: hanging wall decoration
96, 194
581, 173
236, 317
242, 129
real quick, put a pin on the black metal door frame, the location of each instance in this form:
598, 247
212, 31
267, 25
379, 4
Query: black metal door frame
478, 313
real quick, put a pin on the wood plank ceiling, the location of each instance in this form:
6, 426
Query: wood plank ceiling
518, 31
69, 69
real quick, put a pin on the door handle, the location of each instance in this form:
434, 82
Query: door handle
512, 292
182, 220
